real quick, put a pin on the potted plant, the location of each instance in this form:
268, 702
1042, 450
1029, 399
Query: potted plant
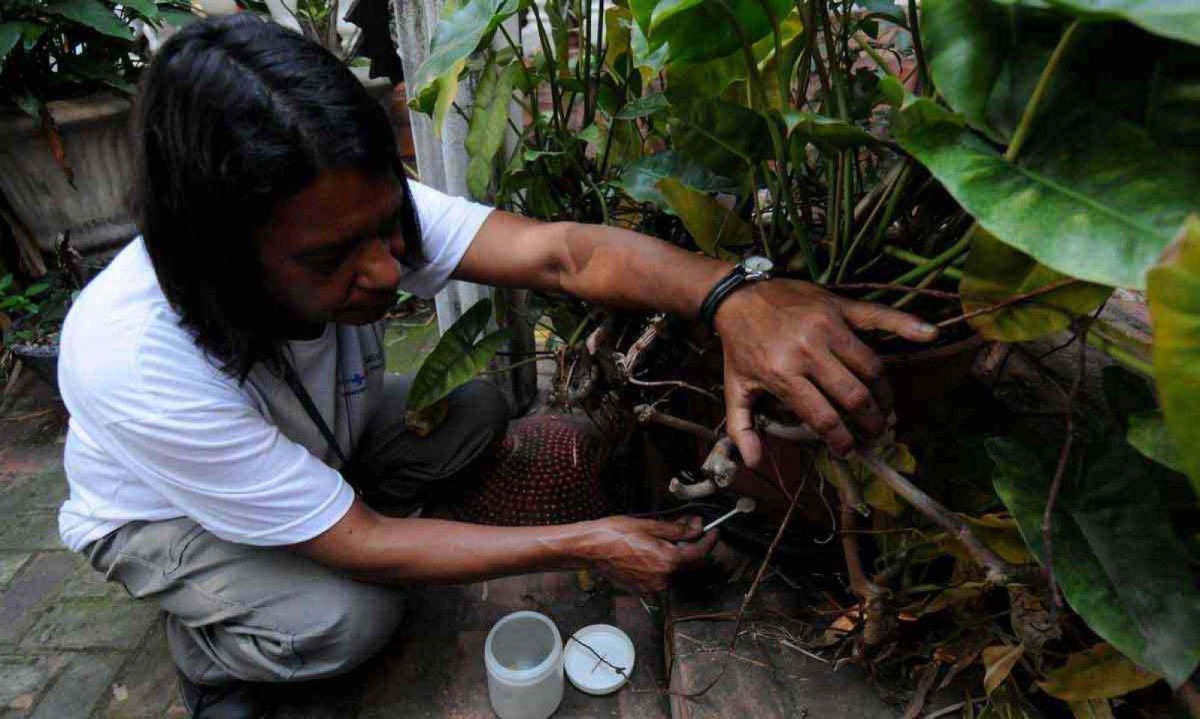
31, 319
67, 68
998, 167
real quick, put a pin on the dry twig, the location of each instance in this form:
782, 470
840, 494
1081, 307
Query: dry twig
647, 413
998, 570
1064, 456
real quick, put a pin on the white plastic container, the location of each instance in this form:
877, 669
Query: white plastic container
524, 659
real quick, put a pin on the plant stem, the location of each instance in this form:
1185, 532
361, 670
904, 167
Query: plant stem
514, 366
914, 26
1039, 93
948, 256
913, 258
834, 68
894, 191
1010, 301
865, 43
849, 286
916, 291
551, 68
1125, 350
1064, 455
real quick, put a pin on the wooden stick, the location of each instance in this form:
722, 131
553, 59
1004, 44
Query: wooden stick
998, 570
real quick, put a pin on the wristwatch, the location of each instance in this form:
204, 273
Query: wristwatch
751, 269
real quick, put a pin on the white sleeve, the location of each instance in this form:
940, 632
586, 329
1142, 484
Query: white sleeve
448, 225
225, 466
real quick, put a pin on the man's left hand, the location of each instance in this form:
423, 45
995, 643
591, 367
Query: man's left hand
796, 341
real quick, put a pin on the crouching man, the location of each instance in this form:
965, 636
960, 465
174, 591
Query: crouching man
237, 453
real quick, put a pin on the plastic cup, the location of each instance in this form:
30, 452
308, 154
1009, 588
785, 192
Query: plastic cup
523, 655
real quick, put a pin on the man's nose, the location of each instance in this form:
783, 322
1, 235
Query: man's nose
378, 269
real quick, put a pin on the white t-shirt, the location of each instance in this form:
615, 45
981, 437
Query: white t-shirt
157, 431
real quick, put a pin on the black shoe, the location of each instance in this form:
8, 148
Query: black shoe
228, 701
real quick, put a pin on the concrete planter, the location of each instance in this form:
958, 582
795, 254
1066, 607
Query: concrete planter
96, 136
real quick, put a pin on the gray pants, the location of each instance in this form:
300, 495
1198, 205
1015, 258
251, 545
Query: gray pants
267, 614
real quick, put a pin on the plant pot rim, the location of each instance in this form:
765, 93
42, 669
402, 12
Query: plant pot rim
28, 348
82, 111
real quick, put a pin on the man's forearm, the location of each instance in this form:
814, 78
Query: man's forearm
622, 268
604, 265
389, 550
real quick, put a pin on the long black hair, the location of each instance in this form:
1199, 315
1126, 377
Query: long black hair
236, 115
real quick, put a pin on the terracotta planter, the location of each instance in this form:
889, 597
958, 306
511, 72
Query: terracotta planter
919, 377
96, 136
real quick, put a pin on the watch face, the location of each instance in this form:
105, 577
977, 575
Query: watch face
758, 263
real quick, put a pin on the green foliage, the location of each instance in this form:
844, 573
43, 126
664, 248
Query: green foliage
54, 49
1169, 18
20, 302
639, 179
1054, 140
459, 355
1174, 295
489, 121
725, 137
456, 36
712, 225
696, 30
994, 272
1115, 552
36, 310
1148, 434
1096, 187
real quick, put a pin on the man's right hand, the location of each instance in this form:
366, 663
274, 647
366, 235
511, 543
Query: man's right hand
640, 555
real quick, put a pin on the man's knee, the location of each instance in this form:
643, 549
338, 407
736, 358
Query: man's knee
353, 623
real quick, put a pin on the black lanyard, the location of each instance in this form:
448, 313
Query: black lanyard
293, 381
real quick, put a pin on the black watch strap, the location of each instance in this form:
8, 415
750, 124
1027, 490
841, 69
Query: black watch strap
730, 282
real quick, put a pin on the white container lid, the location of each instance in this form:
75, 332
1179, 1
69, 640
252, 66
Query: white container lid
586, 671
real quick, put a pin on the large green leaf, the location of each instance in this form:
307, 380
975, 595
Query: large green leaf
643, 107
1111, 162
1177, 19
712, 225
147, 9
1174, 296
1115, 552
616, 34
489, 121
640, 178
10, 35
650, 60
725, 76
995, 272
92, 13
457, 358
828, 134
709, 79
1094, 198
697, 30
724, 137
1148, 433
986, 59
456, 36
